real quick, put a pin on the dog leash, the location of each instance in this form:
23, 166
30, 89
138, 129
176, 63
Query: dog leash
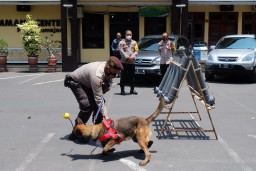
98, 111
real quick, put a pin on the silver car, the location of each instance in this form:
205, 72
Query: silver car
148, 60
235, 54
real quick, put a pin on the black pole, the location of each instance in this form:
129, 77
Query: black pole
175, 18
64, 39
69, 63
179, 17
184, 19
74, 35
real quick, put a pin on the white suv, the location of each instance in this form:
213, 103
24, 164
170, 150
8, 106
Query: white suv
233, 53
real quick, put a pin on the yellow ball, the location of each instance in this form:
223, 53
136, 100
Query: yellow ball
66, 115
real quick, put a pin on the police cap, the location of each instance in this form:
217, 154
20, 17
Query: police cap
114, 62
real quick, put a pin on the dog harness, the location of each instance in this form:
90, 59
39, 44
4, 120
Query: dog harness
110, 132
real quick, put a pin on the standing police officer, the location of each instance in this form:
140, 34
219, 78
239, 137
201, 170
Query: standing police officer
166, 49
129, 51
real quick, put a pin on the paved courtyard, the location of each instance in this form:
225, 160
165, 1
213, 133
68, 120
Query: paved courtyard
34, 132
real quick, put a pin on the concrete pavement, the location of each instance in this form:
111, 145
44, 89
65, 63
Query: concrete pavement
33, 130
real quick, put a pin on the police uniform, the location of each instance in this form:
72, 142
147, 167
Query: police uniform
128, 49
87, 84
115, 47
166, 50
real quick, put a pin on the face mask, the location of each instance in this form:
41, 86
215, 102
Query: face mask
129, 37
164, 38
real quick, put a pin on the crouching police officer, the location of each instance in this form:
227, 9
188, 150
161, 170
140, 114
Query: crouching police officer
88, 83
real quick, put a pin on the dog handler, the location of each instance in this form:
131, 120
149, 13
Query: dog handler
88, 83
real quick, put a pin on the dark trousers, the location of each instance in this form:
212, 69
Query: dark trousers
163, 69
127, 76
87, 104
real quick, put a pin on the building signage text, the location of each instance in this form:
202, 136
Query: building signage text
52, 26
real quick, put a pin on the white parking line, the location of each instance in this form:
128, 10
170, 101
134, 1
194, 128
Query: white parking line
31, 79
47, 82
253, 136
34, 153
234, 155
132, 165
5, 78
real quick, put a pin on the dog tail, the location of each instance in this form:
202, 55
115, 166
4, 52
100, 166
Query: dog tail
158, 110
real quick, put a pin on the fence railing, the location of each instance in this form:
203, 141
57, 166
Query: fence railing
18, 55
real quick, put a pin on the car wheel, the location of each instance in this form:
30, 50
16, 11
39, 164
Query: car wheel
253, 75
208, 76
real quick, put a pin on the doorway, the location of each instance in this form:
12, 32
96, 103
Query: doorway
222, 24
154, 25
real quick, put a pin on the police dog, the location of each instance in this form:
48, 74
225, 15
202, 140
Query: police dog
135, 128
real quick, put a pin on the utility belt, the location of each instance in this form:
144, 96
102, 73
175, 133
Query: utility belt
69, 81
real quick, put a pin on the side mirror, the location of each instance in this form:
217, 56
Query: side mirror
212, 47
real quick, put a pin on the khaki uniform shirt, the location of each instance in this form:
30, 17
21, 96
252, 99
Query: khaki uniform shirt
166, 50
127, 49
92, 76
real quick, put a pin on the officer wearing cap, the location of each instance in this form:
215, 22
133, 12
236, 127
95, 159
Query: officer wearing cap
88, 84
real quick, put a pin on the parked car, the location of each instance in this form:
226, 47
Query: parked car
235, 54
147, 62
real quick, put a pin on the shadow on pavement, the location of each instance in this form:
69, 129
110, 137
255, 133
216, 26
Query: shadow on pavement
179, 124
110, 156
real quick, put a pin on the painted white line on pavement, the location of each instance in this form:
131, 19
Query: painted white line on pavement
234, 155
132, 165
34, 153
253, 136
31, 79
47, 82
242, 105
5, 78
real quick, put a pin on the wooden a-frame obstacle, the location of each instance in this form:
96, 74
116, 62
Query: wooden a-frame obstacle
195, 94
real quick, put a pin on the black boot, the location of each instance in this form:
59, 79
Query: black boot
122, 91
84, 115
133, 91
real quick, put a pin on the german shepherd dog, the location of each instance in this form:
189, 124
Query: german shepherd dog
135, 128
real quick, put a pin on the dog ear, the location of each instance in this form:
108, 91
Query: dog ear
79, 121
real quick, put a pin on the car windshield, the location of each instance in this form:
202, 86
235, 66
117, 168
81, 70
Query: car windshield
149, 44
237, 43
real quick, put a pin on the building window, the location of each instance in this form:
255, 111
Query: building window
93, 31
249, 23
154, 25
196, 27
221, 24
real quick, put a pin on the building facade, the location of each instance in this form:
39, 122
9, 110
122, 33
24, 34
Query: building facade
92, 26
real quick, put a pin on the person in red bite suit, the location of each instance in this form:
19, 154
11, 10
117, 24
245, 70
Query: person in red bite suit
88, 84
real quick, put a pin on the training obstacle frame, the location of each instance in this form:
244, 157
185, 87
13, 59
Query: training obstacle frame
191, 72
